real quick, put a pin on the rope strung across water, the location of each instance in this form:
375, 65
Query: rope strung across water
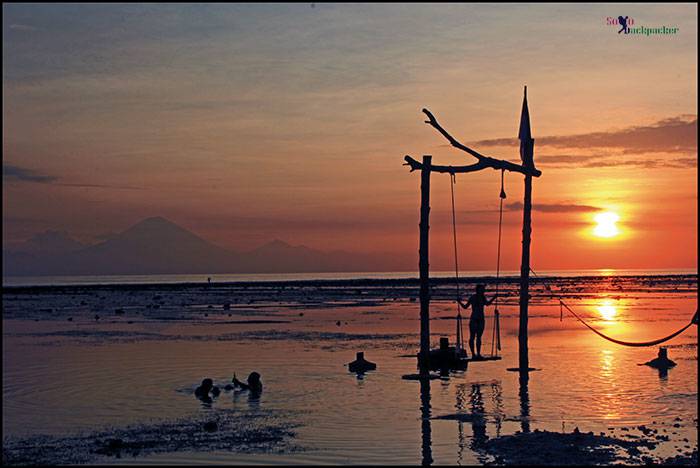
632, 343
693, 321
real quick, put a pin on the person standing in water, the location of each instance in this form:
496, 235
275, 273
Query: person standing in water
477, 320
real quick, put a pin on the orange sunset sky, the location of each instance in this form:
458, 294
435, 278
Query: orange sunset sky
248, 123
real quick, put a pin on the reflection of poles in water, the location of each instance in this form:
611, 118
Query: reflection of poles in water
524, 402
426, 446
460, 423
497, 397
478, 416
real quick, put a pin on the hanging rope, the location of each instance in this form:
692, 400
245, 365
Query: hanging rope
631, 343
496, 333
693, 321
460, 335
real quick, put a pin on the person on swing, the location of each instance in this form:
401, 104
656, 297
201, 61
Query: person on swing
477, 321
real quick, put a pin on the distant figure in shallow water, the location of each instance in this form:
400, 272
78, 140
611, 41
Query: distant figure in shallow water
254, 384
202, 392
477, 321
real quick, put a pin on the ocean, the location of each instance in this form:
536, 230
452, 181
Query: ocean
87, 361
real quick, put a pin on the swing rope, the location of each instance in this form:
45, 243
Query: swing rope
693, 321
496, 330
496, 333
460, 335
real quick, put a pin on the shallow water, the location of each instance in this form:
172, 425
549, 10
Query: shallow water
63, 377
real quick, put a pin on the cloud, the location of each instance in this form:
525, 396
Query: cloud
672, 135
101, 186
612, 160
22, 27
13, 173
678, 163
555, 207
20, 174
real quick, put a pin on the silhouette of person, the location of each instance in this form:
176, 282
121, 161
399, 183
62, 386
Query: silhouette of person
623, 23
477, 321
254, 384
205, 389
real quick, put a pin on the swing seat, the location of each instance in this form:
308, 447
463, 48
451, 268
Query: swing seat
483, 358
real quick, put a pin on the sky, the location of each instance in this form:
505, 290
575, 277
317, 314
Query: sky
248, 123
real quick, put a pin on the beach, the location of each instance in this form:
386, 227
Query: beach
106, 373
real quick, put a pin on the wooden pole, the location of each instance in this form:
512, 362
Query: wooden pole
527, 157
523, 361
423, 267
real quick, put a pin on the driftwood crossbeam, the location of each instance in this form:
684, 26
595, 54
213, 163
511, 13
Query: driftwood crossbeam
484, 162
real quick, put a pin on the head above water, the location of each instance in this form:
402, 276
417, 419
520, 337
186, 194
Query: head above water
480, 289
207, 383
253, 378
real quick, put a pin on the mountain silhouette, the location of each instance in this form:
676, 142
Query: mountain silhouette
159, 246
50, 243
153, 246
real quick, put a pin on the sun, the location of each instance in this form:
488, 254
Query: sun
605, 226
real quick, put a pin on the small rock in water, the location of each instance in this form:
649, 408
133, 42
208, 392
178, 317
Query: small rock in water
211, 426
97, 317
70, 319
115, 444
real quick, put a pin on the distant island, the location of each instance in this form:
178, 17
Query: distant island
158, 246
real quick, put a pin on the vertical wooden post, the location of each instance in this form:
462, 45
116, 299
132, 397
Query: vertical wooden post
527, 146
523, 361
423, 267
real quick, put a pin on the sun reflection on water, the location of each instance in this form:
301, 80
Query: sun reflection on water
610, 404
607, 310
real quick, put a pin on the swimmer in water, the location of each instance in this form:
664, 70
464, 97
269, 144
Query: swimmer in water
254, 384
207, 387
